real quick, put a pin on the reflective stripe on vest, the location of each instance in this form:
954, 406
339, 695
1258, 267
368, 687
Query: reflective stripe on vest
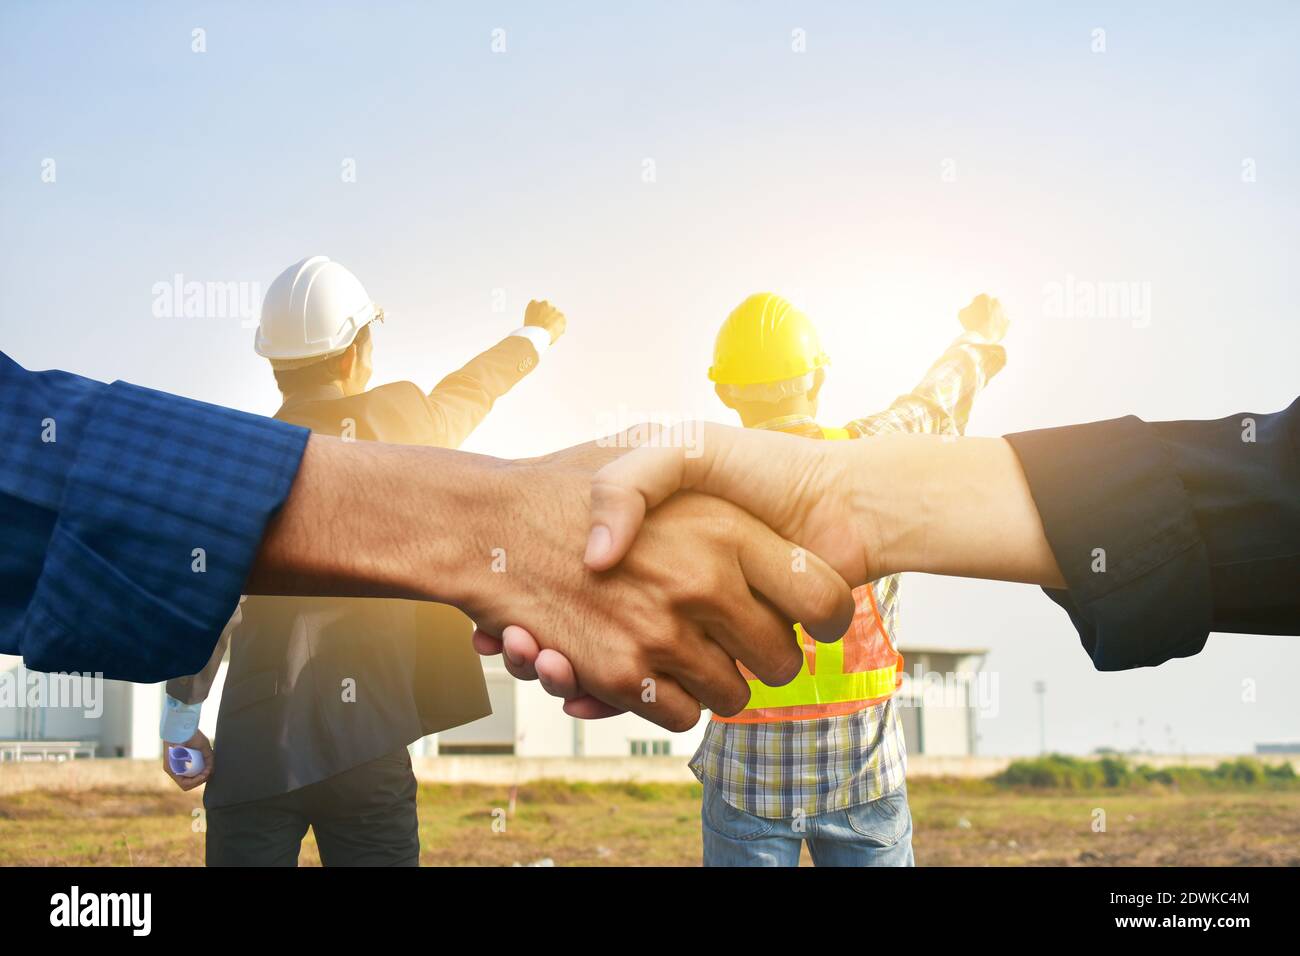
830, 688
822, 687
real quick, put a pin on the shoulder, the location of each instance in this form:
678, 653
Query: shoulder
395, 393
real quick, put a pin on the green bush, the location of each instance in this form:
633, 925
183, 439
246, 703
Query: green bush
1115, 771
1282, 772
1056, 771
1062, 772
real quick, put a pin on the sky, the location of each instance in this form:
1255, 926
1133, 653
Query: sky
645, 168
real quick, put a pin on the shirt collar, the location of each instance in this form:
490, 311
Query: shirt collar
785, 423
314, 393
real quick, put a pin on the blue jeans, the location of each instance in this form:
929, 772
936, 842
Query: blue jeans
878, 833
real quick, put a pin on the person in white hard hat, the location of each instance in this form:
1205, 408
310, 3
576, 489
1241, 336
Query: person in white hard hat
323, 695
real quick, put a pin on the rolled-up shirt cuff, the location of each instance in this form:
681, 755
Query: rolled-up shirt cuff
179, 721
540, 338
1121, 526
162, 516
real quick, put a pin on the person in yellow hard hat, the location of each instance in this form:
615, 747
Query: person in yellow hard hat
821, 759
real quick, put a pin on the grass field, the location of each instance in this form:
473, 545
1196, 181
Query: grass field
968, 822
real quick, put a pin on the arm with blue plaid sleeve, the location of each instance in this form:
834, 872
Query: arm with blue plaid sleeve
137, 536
136, 517
941, 401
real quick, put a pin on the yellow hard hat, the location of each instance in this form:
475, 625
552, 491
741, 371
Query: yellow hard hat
765, 339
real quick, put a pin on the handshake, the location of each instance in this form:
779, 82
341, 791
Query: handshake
702, 582
671, 586
638, 580
641, 577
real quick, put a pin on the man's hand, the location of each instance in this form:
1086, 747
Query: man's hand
524, 660
545, 316
794, 484
804, 490
200, 743
704, 585
878, 506
985, 316
870, 508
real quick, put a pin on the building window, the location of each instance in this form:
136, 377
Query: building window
651, 748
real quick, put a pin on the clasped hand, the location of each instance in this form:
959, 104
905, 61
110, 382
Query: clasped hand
733, 586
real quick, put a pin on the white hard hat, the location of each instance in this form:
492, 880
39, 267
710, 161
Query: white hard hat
313, 309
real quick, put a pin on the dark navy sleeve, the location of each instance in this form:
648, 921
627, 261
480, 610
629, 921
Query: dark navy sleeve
1167, 531
140, 515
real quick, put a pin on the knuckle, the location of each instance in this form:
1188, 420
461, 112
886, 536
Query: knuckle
787, 670
625, 678
731, 701
710, 583
681, 719
658, 644
822, 597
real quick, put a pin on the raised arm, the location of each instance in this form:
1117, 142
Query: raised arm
941, 402
462, 399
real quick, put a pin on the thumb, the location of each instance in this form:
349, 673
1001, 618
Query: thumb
619, 503
627, 487
713, 459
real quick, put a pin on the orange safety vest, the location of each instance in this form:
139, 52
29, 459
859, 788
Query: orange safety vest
839, 677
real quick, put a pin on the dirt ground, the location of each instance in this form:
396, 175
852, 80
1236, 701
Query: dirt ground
957, 823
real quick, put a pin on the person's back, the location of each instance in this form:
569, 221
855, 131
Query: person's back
323, 695
822, 759
317, 686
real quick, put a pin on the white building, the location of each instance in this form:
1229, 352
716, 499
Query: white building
939, 717
940, 699
58, 717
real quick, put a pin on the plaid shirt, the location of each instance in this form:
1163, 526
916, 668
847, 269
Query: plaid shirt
815, 766
105, 493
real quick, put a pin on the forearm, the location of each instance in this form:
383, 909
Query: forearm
365, 519
983, 360
183, 705
955, 507
195, 688
465, 397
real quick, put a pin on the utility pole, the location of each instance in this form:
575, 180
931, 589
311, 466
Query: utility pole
579, 737
1040, 688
